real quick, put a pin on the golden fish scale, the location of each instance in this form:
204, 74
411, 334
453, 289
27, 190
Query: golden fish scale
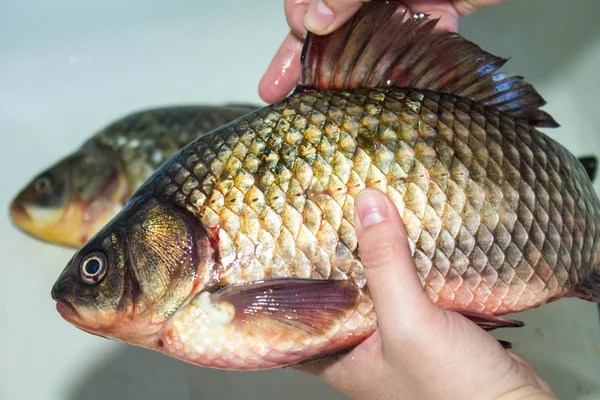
500, 217
146, 139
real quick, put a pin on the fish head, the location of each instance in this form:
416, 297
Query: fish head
71, 200
134, 273
42, 202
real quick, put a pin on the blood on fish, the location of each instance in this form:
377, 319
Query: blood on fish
213, 239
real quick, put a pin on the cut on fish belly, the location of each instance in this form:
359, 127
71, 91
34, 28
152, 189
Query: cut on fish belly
240, 251
71, 200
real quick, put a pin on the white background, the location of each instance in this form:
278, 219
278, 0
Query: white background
68, 67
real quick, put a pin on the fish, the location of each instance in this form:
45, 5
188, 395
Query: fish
240, 251
71, 200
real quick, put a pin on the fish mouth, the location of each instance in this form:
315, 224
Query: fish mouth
53, 226
66, 309
63, 305
17, 212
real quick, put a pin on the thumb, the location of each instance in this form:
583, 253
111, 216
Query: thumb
392, 278
325, 16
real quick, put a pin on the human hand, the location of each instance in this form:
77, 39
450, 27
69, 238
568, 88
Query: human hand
420, 350
324, 16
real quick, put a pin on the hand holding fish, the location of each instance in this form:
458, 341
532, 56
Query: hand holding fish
241, 251
325, 16
416, 338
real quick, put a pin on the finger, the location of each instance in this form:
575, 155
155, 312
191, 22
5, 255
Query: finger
344, 378
339, 375
283, 72
345, 372
394, 285
325, 16
295, 10
323, 369
466, 7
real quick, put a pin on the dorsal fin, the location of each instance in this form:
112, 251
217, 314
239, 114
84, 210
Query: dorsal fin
386, 45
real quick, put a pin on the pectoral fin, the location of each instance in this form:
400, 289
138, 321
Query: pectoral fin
309, 305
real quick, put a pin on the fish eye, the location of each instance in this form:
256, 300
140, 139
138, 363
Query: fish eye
93, 268
43, 186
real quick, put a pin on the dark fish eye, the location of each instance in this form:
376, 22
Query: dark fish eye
93, 268
43, 186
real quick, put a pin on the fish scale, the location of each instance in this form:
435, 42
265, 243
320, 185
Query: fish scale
464, 178
253, 261
144, 140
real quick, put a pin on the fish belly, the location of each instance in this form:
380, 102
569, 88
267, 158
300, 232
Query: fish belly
213, 334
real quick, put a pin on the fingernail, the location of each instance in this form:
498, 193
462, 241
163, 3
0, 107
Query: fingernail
371, 207
318, 16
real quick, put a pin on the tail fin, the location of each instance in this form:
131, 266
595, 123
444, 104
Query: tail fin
589, 289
